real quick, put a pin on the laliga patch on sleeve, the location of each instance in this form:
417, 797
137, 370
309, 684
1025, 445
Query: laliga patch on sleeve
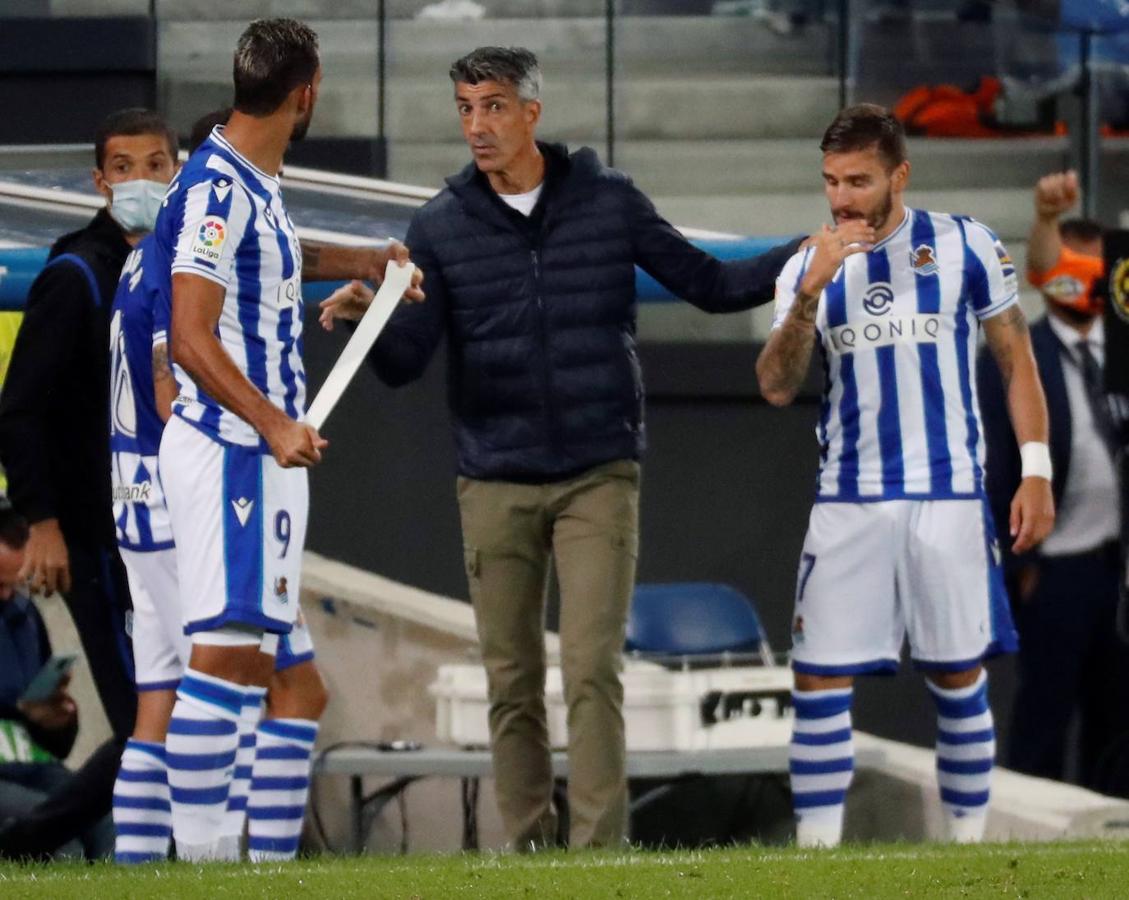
207, 242
1007, 267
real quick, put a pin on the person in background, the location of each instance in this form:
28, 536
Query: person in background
54, 445
1072, 663
35, 735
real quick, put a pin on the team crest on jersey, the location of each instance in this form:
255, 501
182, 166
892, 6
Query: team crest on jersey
798, 630
280, 589
1119, 288
923, 261
878, 298
208, 242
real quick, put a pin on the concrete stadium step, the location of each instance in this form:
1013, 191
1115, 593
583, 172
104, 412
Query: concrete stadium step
191, 35
664, 108
729, 166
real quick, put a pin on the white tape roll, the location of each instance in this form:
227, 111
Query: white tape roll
397, 279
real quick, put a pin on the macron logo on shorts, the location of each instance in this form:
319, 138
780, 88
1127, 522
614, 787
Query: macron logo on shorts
242, 508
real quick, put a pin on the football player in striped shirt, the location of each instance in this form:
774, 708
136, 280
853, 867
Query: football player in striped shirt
143, 389
900, 541
233, 457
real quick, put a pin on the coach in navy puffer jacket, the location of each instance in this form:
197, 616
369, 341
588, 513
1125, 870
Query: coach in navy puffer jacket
529, 259
544, 380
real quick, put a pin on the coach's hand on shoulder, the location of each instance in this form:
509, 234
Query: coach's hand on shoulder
832, 246
46, 565
294, 443
1032, 513
347, 302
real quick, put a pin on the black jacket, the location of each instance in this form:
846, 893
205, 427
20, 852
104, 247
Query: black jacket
544, 380
1003, 468
54, 409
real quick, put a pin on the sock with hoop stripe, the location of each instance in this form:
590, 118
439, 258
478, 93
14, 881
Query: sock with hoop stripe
280, 784
966, 750
200, 750
821, 762
142, 813
235, 818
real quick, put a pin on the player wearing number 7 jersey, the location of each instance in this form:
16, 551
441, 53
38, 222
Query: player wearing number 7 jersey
900, 541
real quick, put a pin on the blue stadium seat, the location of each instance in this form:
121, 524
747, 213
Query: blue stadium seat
693, 618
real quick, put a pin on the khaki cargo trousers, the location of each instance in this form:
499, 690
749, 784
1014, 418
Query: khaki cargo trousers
588, 526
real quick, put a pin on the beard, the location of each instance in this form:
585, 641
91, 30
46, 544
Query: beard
876, 219
300, 128
1074, 315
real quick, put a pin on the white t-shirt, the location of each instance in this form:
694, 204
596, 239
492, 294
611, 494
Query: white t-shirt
523, 203
1089, 514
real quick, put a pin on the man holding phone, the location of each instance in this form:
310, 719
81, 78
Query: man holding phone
38, 718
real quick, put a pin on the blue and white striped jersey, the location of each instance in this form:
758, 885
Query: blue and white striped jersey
224, 219
898, 330
138, 323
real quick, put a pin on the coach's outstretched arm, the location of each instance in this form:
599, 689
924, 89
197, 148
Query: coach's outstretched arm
711, 284
784, 361
196, 306
1032, 513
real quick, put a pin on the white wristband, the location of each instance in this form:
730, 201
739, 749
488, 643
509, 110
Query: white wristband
1036, 459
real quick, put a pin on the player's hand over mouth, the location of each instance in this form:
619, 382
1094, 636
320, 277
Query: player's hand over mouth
832, 246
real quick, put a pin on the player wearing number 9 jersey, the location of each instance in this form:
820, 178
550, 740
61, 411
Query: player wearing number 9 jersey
233, 456
900, 542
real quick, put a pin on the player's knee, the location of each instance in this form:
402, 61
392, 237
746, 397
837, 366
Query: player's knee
954, 681
805, 682
297, 693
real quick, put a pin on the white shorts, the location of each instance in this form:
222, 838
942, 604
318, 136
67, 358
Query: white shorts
160, 646
872, 574
239, 523
161, 649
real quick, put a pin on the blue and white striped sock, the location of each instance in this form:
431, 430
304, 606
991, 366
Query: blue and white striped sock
235, 818
966, 748
200, 750
821, 761
142, 815
279, 787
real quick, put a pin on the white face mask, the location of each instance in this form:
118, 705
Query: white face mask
135, 204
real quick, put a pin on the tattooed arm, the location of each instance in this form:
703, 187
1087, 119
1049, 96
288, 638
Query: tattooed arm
328, 262
784, 361
1032, 508
164, 384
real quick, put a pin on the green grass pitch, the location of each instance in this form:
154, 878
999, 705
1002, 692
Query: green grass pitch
1066, 869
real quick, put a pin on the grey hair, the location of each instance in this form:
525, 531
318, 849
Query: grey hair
507, 65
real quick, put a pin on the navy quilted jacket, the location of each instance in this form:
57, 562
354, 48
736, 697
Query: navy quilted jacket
543, 379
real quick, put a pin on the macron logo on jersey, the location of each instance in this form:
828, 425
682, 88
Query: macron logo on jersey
221, 189
242, 508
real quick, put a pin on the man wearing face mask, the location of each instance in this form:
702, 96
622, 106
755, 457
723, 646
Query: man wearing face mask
54, 426
1065, 591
